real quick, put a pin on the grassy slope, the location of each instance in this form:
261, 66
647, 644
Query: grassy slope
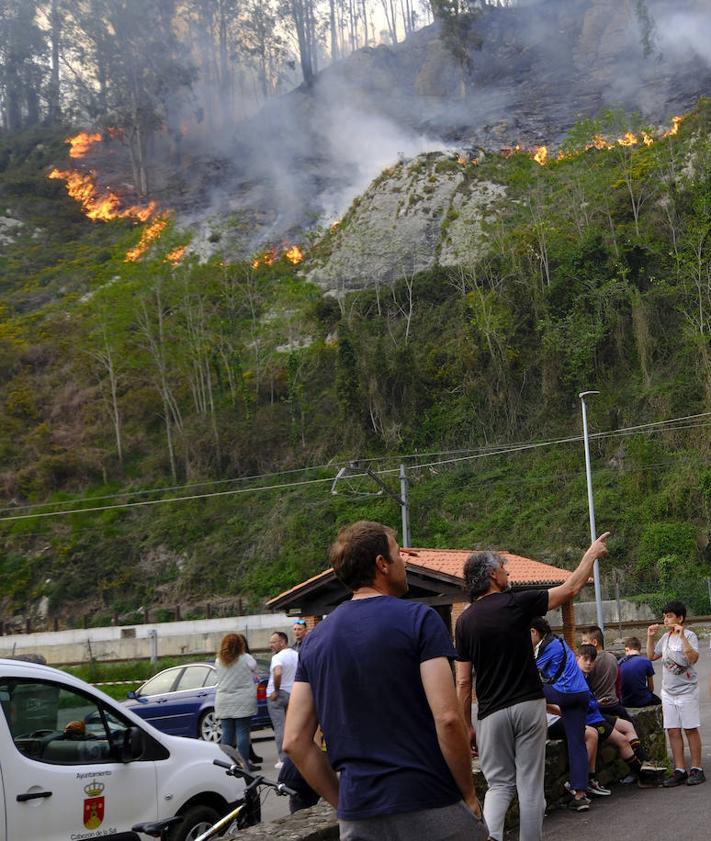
501, 359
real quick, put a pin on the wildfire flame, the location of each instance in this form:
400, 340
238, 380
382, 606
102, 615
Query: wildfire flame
294, 255
676, 122
99, 205
628, 140
81, 143
266, 259
176, 255
149, 235
540, 155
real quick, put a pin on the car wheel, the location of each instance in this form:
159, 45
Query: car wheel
196, 820
209, 727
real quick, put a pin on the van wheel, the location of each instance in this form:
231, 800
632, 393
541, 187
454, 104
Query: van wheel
209, 727
196, 820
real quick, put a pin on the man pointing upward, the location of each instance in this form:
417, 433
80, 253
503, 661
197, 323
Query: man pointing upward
493, 636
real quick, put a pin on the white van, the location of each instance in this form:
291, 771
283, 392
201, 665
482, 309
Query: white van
75, 765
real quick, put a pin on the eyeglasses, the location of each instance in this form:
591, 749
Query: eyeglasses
300, 622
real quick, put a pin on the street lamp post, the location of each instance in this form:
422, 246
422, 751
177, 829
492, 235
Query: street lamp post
591, 506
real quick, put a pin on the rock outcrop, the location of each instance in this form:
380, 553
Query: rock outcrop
415, 214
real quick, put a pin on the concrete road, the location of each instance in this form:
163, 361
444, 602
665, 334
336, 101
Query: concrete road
632, 814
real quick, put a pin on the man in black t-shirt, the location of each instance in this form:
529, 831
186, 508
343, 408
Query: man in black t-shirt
493, 636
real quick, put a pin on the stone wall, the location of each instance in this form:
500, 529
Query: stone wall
319, 823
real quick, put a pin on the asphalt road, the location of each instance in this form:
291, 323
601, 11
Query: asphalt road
273, 806
633, 814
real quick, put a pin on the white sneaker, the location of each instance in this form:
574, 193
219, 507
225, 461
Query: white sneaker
279, 765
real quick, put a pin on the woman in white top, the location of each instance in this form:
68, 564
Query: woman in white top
236, 698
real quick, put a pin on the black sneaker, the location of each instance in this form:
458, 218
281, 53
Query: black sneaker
696, 777
678, 778
579, 804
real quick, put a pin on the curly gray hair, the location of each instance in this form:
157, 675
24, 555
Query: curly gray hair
477, 572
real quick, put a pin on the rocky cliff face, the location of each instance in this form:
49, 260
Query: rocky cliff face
415, 214
523, 74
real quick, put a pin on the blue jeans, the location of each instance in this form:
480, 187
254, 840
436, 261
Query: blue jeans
235, 732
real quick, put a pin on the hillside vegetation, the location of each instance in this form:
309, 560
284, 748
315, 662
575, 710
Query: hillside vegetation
135, 382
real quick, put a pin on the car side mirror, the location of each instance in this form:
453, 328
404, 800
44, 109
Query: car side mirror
132, 745
132, 695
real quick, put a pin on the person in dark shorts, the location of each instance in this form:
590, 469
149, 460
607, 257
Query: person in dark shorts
376, 675
618, 731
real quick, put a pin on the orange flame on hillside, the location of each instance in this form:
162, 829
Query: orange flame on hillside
628, 140
99, 205
294, 255
149, 235
676, 122
176, 255
266, 259
540, 155
81, 143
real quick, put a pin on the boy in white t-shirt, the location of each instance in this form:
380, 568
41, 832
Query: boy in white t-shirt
679, 651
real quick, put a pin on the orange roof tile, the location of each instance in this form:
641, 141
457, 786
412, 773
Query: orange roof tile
522, 571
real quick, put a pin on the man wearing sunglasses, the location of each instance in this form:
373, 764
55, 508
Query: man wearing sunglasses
299, 630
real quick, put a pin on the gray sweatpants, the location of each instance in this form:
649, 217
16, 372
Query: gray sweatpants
277, 713
449, 823
512, 752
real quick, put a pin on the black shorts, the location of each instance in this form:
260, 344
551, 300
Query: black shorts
604, 728
556, 730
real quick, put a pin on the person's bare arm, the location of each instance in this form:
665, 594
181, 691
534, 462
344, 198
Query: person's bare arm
691, 654
299, 732
276, 675
452, 735
650, 683
651, 633
463, 672
570, 589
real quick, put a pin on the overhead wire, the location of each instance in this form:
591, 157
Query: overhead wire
490, 449
655, 426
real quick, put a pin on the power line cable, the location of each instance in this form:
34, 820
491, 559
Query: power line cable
493, 449
651, 427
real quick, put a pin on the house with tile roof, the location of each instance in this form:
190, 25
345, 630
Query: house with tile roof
435, 577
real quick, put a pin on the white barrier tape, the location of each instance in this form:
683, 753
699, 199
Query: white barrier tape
117, 682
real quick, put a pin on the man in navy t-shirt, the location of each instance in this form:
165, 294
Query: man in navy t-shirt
376, 676
636, 677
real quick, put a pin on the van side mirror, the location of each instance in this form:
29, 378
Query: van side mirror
132, 745
132, 695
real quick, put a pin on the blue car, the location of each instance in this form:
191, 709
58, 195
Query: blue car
181, 701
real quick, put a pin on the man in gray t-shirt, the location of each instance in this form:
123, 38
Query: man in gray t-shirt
678, 650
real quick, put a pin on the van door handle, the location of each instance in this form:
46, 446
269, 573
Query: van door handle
33, 795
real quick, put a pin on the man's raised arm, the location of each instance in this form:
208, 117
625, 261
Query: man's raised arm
567, 591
